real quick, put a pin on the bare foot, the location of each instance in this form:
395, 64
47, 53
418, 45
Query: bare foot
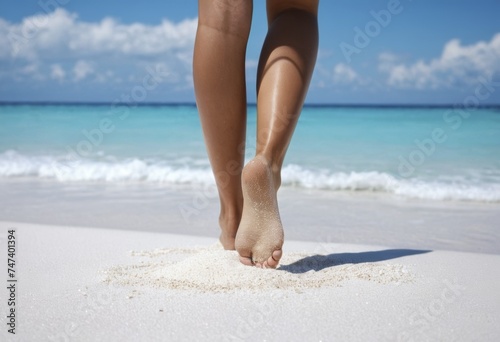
260, 235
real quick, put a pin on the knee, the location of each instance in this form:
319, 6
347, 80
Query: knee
277, 7
229, 16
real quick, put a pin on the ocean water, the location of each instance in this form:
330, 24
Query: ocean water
438, 154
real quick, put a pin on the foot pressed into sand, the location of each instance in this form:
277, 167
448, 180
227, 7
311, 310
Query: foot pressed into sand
260, 235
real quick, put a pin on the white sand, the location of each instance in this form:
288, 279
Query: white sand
84, 284
213, 269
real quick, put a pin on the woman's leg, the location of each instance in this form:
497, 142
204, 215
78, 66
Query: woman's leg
285, 68
219, 81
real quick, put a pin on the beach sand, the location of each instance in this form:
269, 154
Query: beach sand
88, 284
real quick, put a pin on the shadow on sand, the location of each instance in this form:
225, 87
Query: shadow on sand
320, 262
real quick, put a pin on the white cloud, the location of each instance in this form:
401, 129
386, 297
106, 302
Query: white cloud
57, 72
343, 73
30, 71
81, 70
88, 50
134, 39
386, 61
458, 65
59, 32
107, 76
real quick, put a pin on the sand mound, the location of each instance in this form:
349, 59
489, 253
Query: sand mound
216, 270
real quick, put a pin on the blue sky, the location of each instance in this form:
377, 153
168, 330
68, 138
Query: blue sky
427, 52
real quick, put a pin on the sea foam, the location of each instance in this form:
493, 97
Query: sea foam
193, 172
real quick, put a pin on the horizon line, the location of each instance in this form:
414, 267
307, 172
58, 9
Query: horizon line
252, 104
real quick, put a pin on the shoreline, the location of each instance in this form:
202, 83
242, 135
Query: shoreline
307, 215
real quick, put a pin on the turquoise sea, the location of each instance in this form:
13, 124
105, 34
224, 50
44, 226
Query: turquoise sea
434, 153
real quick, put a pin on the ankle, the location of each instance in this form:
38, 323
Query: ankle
229, 218
275, 168
228, 223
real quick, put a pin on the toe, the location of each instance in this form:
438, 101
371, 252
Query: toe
274, 259
246, 261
